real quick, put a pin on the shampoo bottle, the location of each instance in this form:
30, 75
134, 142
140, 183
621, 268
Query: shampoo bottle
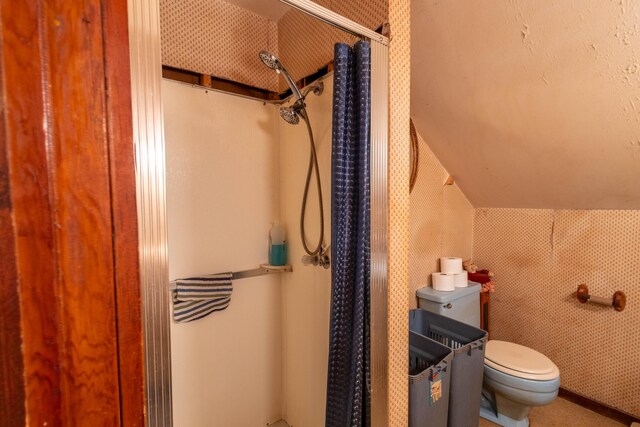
277, 245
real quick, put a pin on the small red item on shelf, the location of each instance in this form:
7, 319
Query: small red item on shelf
480, 277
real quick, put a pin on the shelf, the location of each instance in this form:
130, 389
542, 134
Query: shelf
276, 268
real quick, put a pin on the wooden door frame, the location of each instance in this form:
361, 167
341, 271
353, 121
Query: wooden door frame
71, 350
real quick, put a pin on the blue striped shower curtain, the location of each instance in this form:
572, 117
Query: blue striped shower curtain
348, 384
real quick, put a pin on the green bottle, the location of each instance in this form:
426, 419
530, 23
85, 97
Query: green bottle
277, 245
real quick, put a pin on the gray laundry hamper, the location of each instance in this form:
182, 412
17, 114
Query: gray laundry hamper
429, 370
467, 367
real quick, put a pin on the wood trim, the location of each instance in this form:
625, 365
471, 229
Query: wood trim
224, 85
485, 312
240, 89
414, 156
124, 213
183, 76
598, 407
11, 367
190, 77
71, 354
78, 155
23, 46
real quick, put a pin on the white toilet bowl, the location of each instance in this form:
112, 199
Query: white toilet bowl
515, 379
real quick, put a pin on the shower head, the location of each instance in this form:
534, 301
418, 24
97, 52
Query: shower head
272, 61
289, 115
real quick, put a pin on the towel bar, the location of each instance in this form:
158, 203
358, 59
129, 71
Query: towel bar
262, 270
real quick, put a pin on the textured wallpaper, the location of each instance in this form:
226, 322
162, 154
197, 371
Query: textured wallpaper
220, 39
306, 44
441, 222
539, 258
399, 158
217, 38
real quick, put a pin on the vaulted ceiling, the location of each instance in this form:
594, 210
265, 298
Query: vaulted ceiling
531, 103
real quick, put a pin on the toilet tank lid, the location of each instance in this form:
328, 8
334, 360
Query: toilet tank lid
430, 294
518, 358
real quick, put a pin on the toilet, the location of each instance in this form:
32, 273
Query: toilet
515, 377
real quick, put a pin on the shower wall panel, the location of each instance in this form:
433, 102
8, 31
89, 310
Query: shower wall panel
307, 290
222, 194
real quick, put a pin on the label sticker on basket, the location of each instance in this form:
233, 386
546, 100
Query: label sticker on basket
435, 388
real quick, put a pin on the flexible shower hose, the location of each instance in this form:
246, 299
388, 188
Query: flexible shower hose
313, 162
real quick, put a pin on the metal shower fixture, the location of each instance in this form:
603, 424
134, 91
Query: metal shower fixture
291, 114
272, 61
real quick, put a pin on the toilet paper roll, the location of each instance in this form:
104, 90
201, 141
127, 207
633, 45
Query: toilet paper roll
461, 280
443, 282
451, 265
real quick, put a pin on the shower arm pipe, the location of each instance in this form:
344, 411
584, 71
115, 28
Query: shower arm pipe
336, 20
291, 83
308, 90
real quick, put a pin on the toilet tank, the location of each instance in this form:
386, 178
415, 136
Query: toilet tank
463, 304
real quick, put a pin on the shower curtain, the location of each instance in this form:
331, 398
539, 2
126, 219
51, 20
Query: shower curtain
348, 384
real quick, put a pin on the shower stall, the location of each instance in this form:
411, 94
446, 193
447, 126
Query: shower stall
214, 169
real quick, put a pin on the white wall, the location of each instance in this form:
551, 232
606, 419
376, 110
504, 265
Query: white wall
307, 290
222, 194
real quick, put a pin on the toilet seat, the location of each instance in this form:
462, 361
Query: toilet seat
519, 361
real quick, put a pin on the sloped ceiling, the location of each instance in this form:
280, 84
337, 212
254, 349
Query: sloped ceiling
531, 103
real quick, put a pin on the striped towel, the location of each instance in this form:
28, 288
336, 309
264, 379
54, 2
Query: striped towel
197, 297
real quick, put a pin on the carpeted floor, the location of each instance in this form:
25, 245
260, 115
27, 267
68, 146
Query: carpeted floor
562, 413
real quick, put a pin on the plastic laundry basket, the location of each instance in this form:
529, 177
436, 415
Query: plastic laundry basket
429, 381
467, 367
